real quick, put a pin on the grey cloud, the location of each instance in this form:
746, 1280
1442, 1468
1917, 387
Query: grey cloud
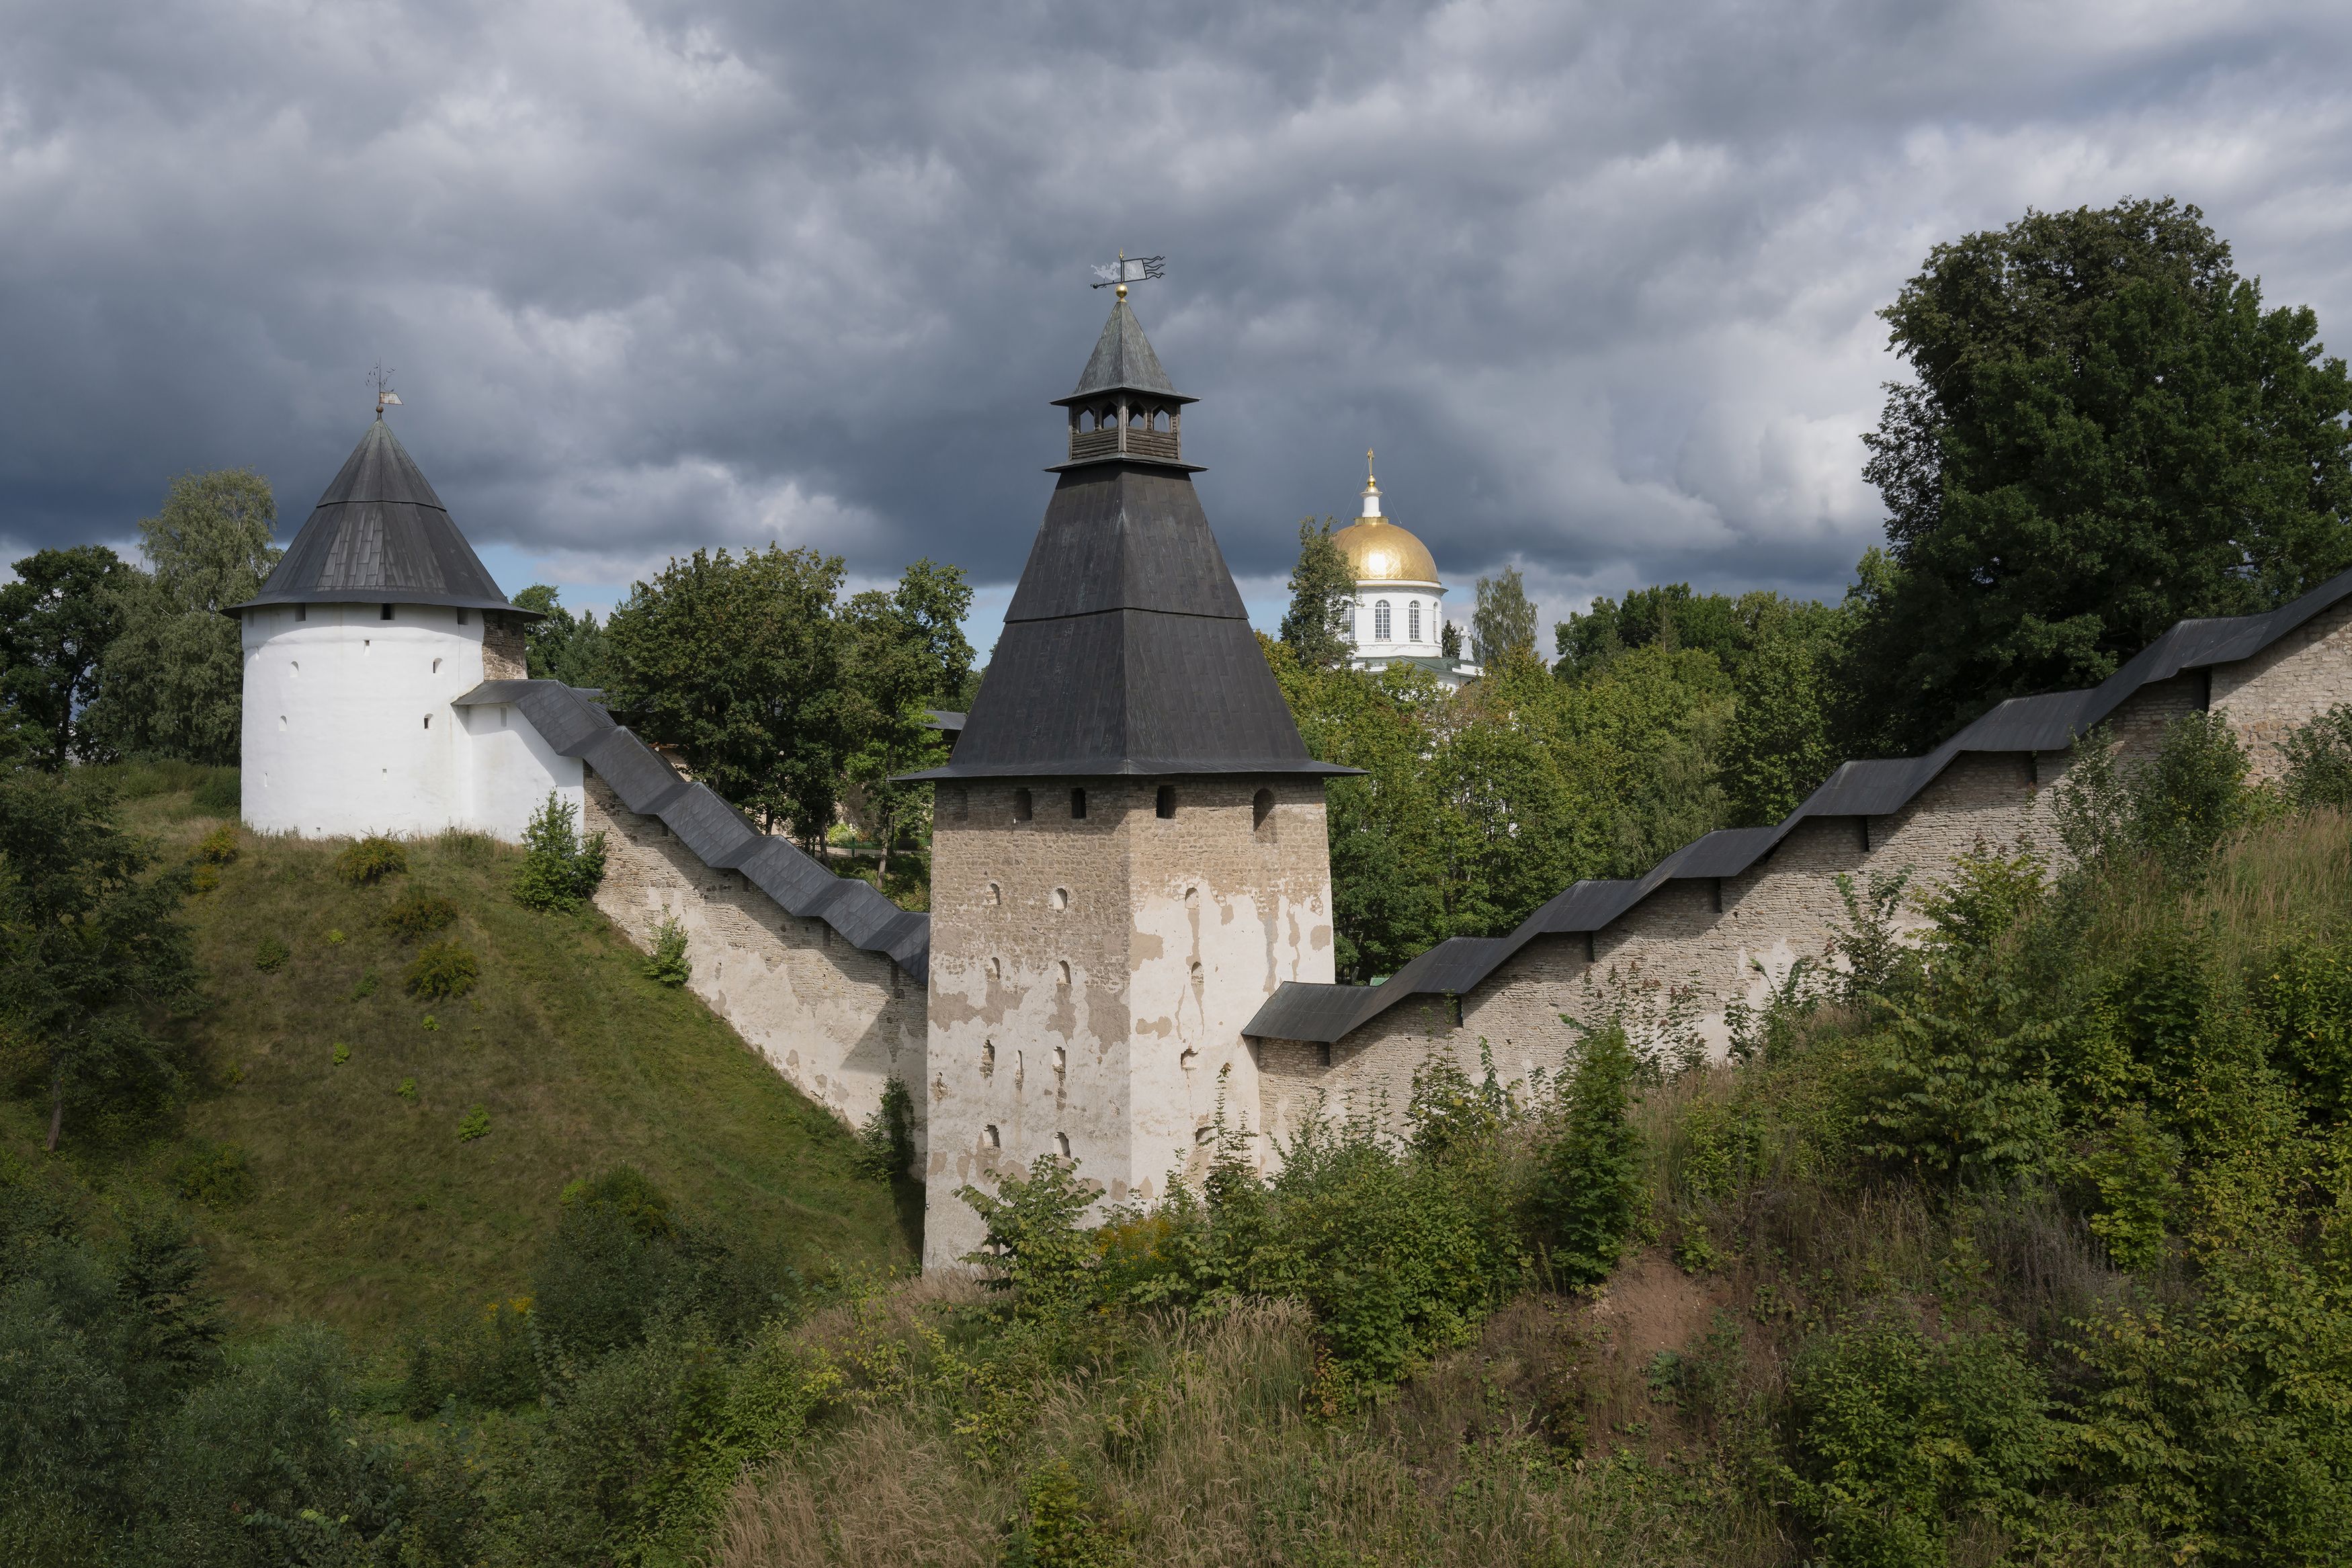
1599, 279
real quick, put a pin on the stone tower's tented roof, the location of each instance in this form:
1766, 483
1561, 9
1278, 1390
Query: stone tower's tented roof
1123, 359
1126, 650
380, 534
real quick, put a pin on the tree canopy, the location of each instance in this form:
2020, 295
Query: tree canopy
2107, 433
1322, 612
1503, 627
173, 681
57, 621
562, 646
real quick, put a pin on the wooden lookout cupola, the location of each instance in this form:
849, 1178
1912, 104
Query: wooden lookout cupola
1124, 407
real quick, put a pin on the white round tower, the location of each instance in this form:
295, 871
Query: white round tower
378, 617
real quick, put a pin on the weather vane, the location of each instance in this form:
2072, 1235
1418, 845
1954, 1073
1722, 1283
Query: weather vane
381, 378
1131, 270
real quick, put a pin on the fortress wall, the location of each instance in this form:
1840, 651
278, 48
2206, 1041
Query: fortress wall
2301, 676
1705, 945
836, 1022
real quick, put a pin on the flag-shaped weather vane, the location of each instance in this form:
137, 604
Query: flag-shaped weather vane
1129, 269
381, 378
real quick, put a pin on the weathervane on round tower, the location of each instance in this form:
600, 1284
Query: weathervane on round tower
381, 378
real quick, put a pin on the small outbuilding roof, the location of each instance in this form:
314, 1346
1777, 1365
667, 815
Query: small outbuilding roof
381, 535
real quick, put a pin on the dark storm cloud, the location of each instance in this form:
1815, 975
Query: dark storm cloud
1599, 280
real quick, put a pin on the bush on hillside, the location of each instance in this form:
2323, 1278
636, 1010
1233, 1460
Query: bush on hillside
368, 860
220, 846
218, 1175
559, 869
220, 794
482, 1360
444, 969
885, 1143
2177, 807
667, 963
1588, 1199
2318, 756
419, 914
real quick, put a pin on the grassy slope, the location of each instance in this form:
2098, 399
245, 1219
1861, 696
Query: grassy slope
367, 1211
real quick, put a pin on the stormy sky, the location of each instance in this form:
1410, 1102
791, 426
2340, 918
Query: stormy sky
1599, 280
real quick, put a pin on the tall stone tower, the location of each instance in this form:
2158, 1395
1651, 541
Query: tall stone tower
1127, 853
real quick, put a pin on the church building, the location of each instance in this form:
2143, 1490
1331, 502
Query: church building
1400, 603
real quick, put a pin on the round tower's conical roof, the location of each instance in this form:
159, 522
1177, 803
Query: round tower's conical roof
381, 534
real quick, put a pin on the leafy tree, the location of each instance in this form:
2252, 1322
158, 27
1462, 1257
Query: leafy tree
172, 683
1667, 616
2318, 757
564, 646
906, 655
2108, 433
1449, 640
1781, 743
92, 941
737, 663
1587, 1196
1503, 627
1322, 600
559, 869
57, 621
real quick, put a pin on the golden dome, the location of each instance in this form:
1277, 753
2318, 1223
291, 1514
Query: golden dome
1380, 551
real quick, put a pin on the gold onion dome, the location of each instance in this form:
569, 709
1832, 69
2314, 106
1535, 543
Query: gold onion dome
1378, 550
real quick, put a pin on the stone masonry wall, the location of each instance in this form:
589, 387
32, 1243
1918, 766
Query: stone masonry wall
1175, 931
1702, 945
837, 1022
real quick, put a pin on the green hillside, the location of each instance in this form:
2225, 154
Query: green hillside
364, 1209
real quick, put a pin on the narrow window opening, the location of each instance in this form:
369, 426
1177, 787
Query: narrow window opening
385, 614
1718, 895
1021, 805
1062, 1145
1864, 822
960, 804
988, 1136
429, 721
1412, 622
1197, 978
898, 977
461, 617
996, 969
1323, 1054
1077, 805
1591, 946
988, 1058
1381, 620
1262, 812
1064, 969
995, 894
436, 666
1061, 899
1165, 804
298, 666
1189, 1058
301, 613
1061, 1061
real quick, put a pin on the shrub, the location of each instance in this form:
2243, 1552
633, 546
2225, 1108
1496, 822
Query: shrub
218, 846
2318, 757
215, 1175
1587, 1197
342, 1053
1063, 1525
484, 1360
886, 1144
272, 955
1897, 1436
474, 1123
667, 963
419, 914
444, 969
1034, 1248
218, 793
368, 860
559, 871
2178, 807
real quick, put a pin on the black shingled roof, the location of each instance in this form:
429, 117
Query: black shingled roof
2050, 722
1127, 650
717, 833
1123, 359
381, 534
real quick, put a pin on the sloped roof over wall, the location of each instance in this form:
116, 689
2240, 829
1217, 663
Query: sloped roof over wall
2047, 723
714, 830
380, 533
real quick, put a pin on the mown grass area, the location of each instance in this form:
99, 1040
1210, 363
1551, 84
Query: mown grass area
364, 1208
